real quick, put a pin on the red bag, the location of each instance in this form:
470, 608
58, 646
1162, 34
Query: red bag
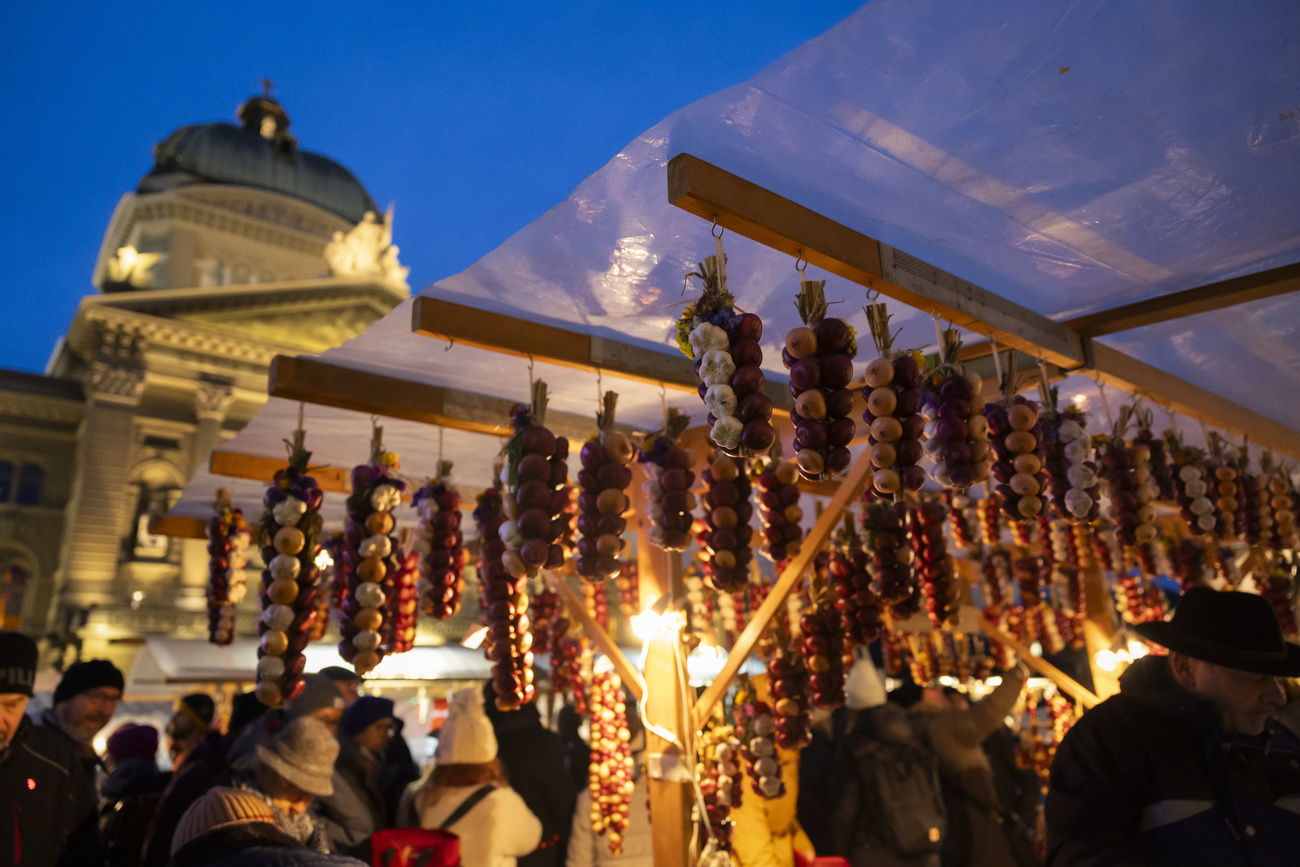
414, 847
820, 861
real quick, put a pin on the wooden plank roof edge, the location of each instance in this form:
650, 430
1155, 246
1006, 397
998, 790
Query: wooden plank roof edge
462, 324
327, 384
737, 204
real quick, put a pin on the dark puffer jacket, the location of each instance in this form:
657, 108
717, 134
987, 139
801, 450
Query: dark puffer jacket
48, 811
253, 844
1146, 778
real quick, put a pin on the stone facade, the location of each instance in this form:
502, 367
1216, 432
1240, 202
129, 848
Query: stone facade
200, 286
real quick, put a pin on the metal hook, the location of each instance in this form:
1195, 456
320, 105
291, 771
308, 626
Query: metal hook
600, 393
716, 231
804, 269
530, 373
451, 341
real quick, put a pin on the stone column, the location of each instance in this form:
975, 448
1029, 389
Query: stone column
92, 542
211, 402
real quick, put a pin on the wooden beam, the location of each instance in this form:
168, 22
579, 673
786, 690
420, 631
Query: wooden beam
1076, 690
261, 469
1190, 302
319, 382
578, 611
750, 210
179, 528
845, 495
523, 338
1140, 379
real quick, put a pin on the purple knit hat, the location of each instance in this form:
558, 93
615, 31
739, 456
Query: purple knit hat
132, 741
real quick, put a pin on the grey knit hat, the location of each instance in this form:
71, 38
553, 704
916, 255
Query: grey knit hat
318, 692
303, 753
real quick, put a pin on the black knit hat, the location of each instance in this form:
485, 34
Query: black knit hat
85, 676
17, 663
200, 706
1228, 628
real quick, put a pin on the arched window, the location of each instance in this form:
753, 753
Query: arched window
6, 480
30, 479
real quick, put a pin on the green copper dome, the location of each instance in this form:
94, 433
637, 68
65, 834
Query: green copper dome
259, 154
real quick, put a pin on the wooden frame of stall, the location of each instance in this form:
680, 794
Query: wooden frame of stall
733, 203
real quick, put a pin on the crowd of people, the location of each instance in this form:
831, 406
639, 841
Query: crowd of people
1196, 761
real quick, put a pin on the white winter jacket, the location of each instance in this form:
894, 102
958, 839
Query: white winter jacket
498, 829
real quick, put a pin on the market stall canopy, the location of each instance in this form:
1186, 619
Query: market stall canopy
1070, 157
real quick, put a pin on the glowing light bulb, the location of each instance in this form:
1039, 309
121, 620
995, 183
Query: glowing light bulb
1106, 660
323, 560
1137, 649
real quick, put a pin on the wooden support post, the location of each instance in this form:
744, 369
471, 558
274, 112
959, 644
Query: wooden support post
671, 766
847, 492
1067, 684
1099, 628
631, 678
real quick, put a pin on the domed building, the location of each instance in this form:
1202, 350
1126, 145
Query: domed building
236, 246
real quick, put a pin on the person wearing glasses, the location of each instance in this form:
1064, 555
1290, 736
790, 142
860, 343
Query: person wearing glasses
84, 702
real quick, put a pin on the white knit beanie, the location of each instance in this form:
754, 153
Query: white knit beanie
466, 738
863, 688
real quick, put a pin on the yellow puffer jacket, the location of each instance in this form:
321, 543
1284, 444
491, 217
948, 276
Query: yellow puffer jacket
767, 833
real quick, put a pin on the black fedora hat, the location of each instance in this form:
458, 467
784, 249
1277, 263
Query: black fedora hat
1235, 630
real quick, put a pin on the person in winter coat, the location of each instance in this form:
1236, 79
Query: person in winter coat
131, 792
533, 758
356, 808
577, 753
233, 828
198, 772
1185, 765
586, 848
981, 833
320, 699
766, 832
890, 810
190, 723
48, 812
296, 767
84, 702
466, 792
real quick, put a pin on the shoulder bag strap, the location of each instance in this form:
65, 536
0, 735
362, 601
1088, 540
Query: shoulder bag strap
468, 804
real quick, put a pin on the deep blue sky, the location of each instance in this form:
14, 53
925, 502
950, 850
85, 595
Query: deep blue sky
473, 119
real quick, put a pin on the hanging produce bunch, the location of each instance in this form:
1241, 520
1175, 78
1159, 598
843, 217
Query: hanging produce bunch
1193, 486
963, 522
669, 477
1282, 500
791, 701
819, 355
1126, 472
726, 551
821, 646
1017, 437
934, 565
629, 588
1277, 585
440, 543
756, 729
720, 781
290, 525
375, 569
1073, 487
536, 475
724, 344
893, 559
602, 481
228, 541
1224, 459
893, 397
957, 434
775, 481
508, 643
610, 776
859, 607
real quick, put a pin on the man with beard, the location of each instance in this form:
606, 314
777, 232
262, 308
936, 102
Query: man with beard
43, 783
84, 702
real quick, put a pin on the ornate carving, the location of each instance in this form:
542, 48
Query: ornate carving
212, 400
114, 383
368, 252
